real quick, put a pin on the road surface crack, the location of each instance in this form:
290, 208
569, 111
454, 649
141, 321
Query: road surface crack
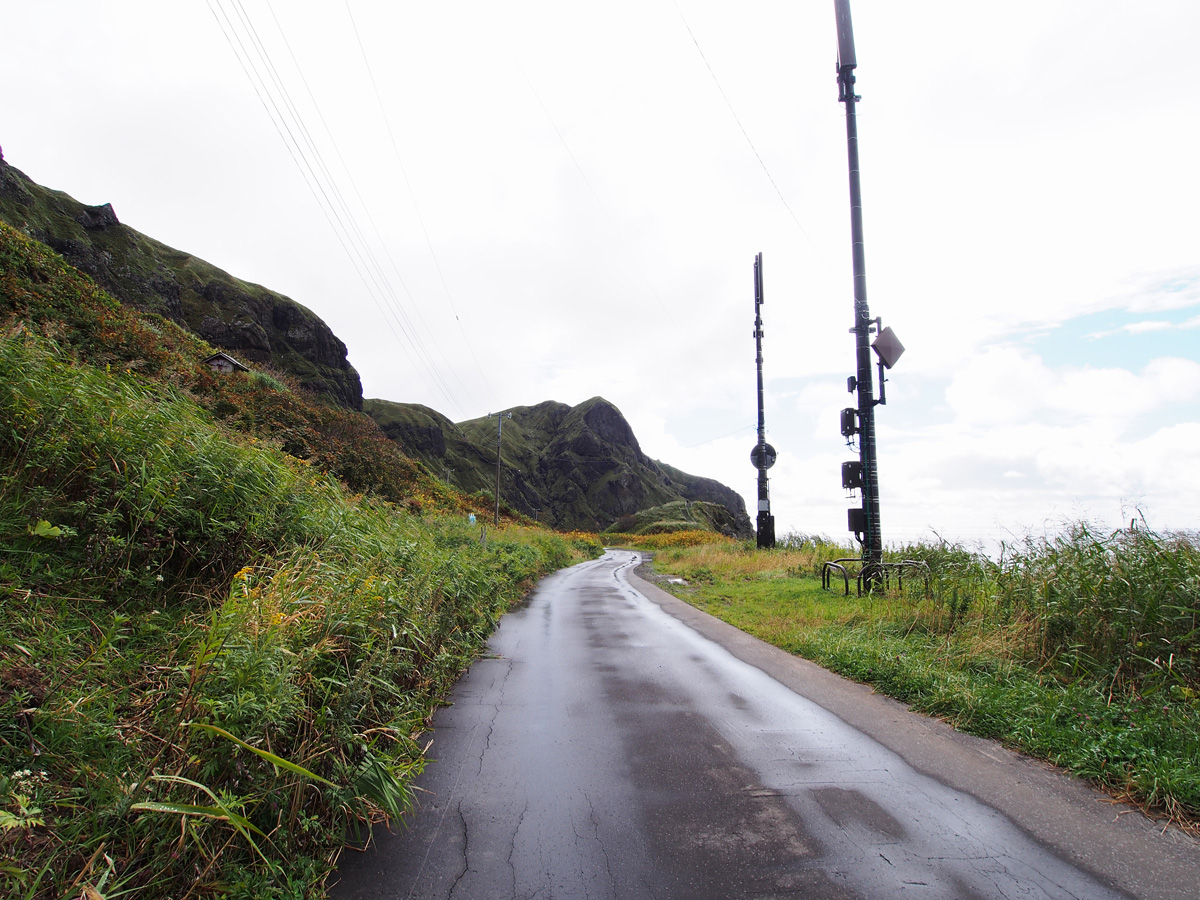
491, 725
512, 847
466, 865
594, 821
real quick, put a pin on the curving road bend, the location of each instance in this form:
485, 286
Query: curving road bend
617, 743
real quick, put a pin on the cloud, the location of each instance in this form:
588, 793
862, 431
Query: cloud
1161, 291
1147, 326
1006, 385
1133, 328
1017, 444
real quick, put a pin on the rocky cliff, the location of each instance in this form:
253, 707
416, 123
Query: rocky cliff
254, 324
571, 467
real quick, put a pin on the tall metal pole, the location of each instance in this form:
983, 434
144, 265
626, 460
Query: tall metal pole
872, 539
499, 436
766, 522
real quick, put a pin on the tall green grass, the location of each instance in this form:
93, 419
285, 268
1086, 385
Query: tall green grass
1121, 605
216, 662
143, 484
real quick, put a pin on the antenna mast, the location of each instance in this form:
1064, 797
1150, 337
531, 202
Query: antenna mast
500, 417
864, 522
763, 455
862, 474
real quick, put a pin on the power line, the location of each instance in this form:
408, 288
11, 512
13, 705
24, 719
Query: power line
742, 128
339, 228
373, 263
587, 181
720, 437
371, 219
321, 182
259, 87
403, 170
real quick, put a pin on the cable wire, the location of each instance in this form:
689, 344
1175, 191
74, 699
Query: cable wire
377, 274
742, 128
721, 437
304, 151
304, 167
587, 181
374, 226
400, 161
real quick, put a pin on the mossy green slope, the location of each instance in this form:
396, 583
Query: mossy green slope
253, 323
678, 515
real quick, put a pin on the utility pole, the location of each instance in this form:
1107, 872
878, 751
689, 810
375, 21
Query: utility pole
763, 455
866, 525
500, 417
864, 521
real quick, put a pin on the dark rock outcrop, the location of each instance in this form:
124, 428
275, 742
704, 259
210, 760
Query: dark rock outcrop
571, 467
94, 217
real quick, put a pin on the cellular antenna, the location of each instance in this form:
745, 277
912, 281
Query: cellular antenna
763, 454
500, 417
862, 474
845, 31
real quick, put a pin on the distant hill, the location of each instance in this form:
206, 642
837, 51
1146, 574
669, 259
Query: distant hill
573, 467
678, 515
254, 324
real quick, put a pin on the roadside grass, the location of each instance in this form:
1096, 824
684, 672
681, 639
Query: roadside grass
1080, 649
216, 660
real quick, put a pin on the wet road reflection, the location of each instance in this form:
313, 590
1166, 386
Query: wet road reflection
607, 750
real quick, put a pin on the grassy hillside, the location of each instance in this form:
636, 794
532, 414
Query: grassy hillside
39, 292
227, 610
256, 324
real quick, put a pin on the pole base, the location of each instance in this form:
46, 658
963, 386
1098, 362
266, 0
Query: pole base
766, 531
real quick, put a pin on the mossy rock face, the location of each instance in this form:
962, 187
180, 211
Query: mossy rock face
252, 323
573, 467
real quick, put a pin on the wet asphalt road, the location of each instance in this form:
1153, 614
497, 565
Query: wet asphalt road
617, 746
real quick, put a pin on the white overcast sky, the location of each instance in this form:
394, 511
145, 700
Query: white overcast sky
503, 203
